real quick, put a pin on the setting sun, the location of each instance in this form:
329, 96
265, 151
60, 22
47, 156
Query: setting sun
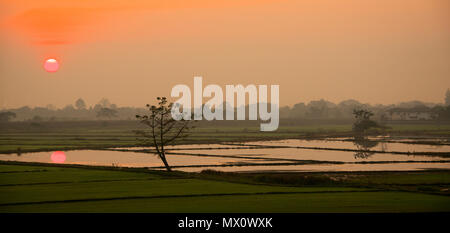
51, 65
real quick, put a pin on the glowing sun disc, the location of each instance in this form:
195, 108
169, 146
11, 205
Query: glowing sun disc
51, 65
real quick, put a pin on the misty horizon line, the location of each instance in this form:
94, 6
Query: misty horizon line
112, 105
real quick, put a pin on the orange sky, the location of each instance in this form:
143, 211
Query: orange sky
375, 51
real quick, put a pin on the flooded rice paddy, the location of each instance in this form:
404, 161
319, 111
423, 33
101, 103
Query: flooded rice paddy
337, 154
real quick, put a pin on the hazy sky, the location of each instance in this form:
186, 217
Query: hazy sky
375, 51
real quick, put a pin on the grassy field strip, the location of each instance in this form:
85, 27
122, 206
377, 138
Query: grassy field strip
141, 188
17, 175
70, 182
359, 202
177, 196
5, 172
60, 188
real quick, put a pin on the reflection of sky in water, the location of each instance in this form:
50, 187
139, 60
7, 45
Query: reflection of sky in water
177, 147
321, 155
127, 159
281, 155
382, 146
327, 167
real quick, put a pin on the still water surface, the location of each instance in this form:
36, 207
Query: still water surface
195, 158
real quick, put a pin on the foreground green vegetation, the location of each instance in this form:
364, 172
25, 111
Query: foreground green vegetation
28, 187
20, 137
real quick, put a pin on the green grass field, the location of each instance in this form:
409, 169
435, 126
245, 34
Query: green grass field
50, 188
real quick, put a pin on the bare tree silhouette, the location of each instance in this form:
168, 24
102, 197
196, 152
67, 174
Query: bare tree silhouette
164, 130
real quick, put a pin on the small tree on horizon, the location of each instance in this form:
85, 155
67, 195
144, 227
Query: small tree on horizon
362, 121
80, 104
164, 130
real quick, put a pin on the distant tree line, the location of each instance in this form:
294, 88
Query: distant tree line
322, 109
103, 110
317, 109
